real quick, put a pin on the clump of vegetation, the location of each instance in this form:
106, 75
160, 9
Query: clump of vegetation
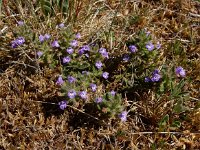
98, 69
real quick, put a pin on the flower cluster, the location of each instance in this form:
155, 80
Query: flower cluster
123, 116
155, 76
17, 42
180, 72
45, 37
133, 48
103, 52
62, 105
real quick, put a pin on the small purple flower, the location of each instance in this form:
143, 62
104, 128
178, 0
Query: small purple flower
60, 80
83, 94
156, 71
155, 78
113, 93
86, 47
158, 45
39, 53
20, 23
102, 50
66, 59
74, 43
81, 51
17, 42
62, 104
62, 25
78, 36
133, 48
20, 40
70, 50
147, 79
93, 87
126, 58
71, 94
47, 36
71, 79
180, 72
150, 46
123, 116
41, 38
98, 64
55, 44
105, 75
99, 100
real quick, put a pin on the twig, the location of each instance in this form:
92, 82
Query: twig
196, 99
194, 15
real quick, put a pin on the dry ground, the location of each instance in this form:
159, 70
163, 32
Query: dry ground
29, 117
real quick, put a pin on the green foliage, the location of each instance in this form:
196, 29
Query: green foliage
0, 5
164, 122
49, 7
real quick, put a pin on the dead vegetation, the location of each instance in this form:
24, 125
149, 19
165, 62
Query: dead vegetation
29, 114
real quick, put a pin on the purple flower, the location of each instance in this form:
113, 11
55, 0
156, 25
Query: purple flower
74, 43
62, 25
156, 71
147, 79
39, 53
62, 104
93, 87
83, 94
83, 49
123, 116
41, 38
20, 23
105, 75
60, 80
70, 50
126, 58
71, 94
20, 40
105, 55
155, 78
78, 36
17, 42
71, 79
98, 64
113, 93
86, 47
180, 72
158, 45
99, 100
47, 36
150, 46
103, 52
66, 59
55, 44
133, 48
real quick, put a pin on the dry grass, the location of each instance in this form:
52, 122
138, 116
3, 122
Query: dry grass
29, 115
